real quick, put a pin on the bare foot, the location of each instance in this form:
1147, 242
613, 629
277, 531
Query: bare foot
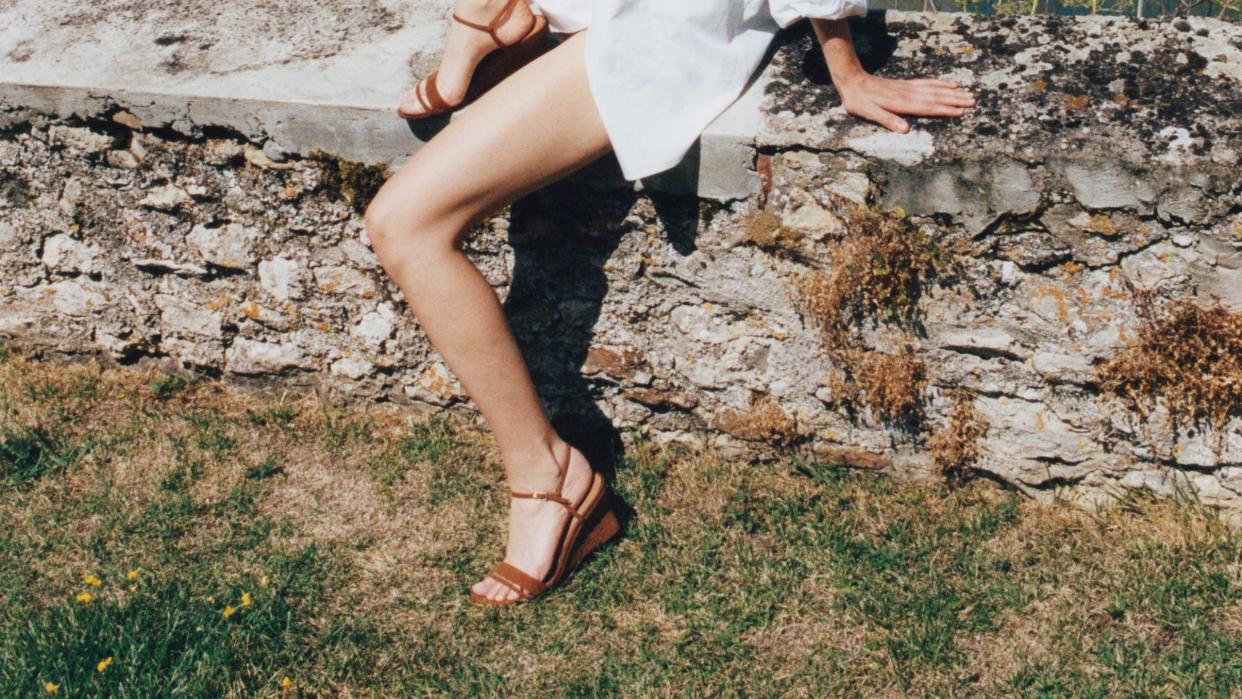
536, 526
465, 47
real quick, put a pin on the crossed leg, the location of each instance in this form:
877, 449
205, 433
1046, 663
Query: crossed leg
537, 126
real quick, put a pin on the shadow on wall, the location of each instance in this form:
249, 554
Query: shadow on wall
561, 238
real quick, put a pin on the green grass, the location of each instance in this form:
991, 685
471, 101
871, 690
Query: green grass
28, 453
355, 535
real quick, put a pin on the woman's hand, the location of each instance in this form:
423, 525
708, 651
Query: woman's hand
885, 101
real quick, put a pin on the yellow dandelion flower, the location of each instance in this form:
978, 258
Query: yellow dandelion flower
246, 600
228, 611
132, 574
103, 664
286, 684
51, 687
263, 581
91, 580
84, 597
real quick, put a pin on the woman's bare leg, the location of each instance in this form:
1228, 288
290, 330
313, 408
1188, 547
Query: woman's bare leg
535, 127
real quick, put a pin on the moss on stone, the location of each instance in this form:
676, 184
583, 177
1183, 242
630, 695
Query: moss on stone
764, 421
876, 273
352, 182
890, 384
765, 230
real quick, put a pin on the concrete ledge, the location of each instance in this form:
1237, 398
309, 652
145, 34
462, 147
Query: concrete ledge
174, 68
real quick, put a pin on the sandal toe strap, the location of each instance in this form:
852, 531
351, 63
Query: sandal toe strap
434, 98
518, 581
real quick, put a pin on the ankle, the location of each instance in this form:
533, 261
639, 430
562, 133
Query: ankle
538, 468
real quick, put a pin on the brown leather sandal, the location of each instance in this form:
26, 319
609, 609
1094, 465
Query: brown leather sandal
492, 69
590, 525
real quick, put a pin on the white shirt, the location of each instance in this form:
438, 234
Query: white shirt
661, 70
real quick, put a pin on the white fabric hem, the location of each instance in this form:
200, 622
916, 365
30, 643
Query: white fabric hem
786, 13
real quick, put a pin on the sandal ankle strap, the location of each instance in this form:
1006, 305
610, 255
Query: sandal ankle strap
550, 497
554, 495
491, 27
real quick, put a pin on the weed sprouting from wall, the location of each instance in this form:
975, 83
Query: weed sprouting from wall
955, 447
875, 276
764, 421
1186, 358
890, 384
877, 273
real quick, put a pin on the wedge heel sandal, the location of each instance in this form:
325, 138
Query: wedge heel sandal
591, 524
495, 66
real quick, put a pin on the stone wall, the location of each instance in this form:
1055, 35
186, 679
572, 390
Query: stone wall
1099, 171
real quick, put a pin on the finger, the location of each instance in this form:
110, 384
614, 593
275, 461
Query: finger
936, 82
937, 110
926, 107
942, 94
926, 96
930, 99
946, 110
888, 120
913, 104
955, 99
942, 90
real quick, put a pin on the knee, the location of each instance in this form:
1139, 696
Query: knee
406, 221
385, 222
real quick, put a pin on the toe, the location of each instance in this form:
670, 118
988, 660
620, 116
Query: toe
490, 587
482, 587
418, 101
410, 104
